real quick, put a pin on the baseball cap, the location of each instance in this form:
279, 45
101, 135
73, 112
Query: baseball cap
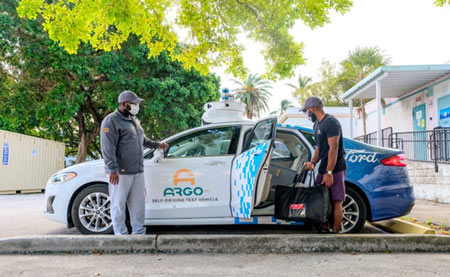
129, 96
312, 101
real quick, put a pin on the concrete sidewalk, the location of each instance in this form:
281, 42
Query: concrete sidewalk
437, 213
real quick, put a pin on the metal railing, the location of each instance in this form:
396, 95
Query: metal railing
428, 146
371, 138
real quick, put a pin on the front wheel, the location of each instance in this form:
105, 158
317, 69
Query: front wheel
91, 210
355, 212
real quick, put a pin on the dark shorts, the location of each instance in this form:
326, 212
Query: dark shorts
337, 190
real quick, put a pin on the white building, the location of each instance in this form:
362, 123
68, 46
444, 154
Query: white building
293, 116
417, 98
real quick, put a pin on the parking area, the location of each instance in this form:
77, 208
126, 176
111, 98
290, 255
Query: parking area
21, 215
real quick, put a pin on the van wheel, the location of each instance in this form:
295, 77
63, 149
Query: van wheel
91, 210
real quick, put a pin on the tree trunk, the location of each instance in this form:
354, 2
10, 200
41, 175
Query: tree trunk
83, 146
249, 114
363, 115
363, 107
85, 136
85, 139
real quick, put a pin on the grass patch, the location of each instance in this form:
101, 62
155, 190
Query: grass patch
440, 229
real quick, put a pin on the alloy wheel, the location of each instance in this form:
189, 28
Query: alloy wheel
94, 212
351, 214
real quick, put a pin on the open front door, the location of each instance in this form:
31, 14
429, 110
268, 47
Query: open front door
250, 169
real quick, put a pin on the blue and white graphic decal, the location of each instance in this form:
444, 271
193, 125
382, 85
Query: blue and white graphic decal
243, 179
266, 220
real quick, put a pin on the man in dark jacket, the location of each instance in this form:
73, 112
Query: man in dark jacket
122, 139
330, 152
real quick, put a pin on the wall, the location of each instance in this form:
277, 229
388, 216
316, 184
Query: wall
428, 184
293, 116
398, 112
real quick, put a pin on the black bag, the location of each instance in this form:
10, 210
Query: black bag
305, 204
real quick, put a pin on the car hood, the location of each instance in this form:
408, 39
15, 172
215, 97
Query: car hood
82, 166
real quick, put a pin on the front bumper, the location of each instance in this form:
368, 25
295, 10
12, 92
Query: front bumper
56, 203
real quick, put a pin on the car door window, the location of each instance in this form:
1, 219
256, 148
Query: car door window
289, 151
211, 142
281, 151
310, 137
260, 134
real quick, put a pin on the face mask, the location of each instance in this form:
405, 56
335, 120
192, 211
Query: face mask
133, 109
312, 117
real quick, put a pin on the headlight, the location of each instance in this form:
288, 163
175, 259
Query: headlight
63, 177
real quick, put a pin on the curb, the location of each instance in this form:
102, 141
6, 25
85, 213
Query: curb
403, 227
224, 244
78, 244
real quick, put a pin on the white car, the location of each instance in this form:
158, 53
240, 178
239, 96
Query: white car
208, 176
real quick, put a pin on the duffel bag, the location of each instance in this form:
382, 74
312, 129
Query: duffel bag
305, 204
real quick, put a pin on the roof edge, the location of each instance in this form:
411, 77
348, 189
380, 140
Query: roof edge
390, 68
361, 84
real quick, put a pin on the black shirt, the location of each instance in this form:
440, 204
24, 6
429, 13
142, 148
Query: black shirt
329, 127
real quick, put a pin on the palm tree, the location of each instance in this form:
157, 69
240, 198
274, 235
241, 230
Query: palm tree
359, 63
301, 89
255, 93
284, 105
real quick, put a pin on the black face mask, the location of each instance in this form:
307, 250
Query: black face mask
312, 116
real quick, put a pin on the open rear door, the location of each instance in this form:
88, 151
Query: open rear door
250, 169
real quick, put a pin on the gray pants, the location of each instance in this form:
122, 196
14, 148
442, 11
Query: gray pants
130, 191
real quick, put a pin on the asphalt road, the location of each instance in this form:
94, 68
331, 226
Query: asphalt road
227, 265
21, 215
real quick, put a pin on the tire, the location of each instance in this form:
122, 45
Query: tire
355, 212
91, 210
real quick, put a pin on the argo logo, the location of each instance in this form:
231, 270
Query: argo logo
177, 179
183, 176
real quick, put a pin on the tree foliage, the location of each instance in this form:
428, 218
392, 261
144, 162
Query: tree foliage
327, 88
55, 95
284, 105
302, 88
208, 29
441, 3
254, 92
334, 81
358, 64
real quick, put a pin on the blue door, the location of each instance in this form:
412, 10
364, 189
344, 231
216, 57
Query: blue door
444, 111
420, 136
443, 151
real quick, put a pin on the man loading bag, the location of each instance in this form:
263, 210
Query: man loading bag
330, 152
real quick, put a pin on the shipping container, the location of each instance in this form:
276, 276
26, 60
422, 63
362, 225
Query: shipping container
27, 162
